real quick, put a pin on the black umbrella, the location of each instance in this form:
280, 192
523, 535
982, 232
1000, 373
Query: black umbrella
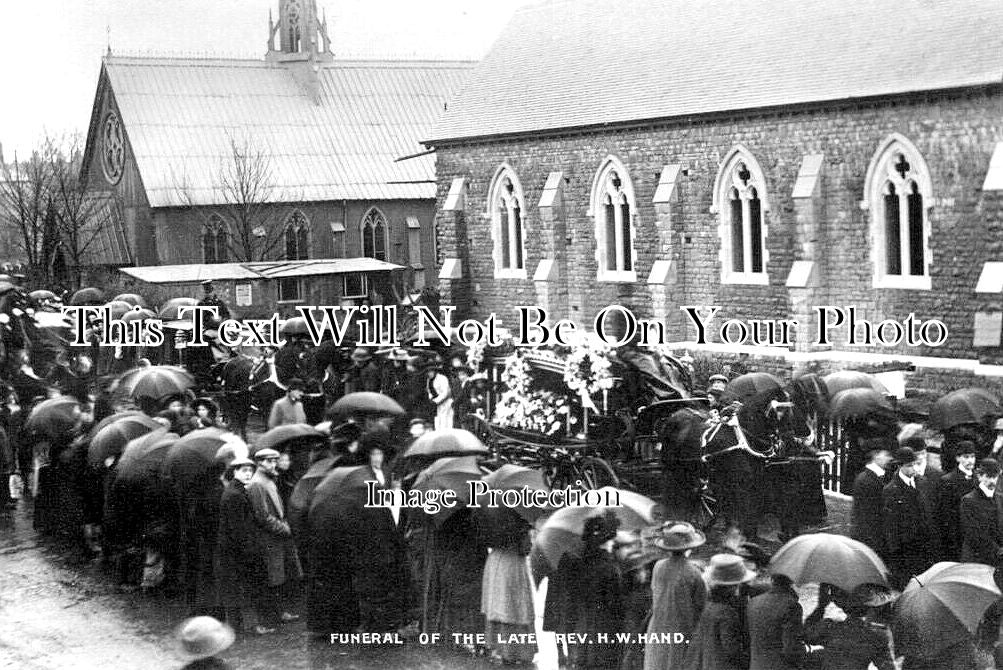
108, 420
193, 458
752, 384
290, 436
339, 501
131, 298
87, 296
855, 403
143, 458
302, 495
364, 402
966, 405
109, 442
156, 382
55, 418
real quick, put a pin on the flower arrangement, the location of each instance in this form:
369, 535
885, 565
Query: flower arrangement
587, 366
475, 355
519, 406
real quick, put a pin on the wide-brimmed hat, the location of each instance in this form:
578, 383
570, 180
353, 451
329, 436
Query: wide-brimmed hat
679, 536
727, 570
204, 636
717, 384
905, 456
361, 354
965, 447
206, 402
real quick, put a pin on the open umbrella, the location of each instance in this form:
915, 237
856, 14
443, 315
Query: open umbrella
143, 458
139, 315
852, 379
856, 403
562, 532
193, 458
118, 308
55, 418
943, 606
446, 442
752, 384
364, 402
170, 313
833, 559
108, 420
111, 439
42, 295
131, 298
87, 296
302, 495
966, 405
449, 474
156, 382
511, 477
289, 436
295, 326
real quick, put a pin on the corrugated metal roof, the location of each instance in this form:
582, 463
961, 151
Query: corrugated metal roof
182, 117
183, 274
573, 63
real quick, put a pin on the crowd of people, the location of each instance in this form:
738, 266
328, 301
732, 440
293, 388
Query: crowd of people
269, 536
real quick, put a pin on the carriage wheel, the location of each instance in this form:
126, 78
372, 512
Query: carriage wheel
706, 512
596, 473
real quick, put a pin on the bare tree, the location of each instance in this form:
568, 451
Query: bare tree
82, 219
245, 194
45, 210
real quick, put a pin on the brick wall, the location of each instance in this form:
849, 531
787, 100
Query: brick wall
955, 133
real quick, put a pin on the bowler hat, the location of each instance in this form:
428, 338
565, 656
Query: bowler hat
204, 636
988, 466
727, 570
965, 447
262, 454
905, 456
600, 529
679, 536
914, 442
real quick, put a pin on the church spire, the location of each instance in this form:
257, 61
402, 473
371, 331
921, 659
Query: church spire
302, 35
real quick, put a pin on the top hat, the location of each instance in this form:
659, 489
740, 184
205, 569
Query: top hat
204, 636
679, 536
727, 570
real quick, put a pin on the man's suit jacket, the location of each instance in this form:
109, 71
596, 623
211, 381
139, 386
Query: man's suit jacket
867, 506
951, 488
980, 528
906, 523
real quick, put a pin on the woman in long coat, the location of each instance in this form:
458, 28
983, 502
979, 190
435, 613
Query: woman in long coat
678, 597
721, 641
454, 571
239, 556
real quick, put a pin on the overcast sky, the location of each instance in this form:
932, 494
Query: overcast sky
54, 47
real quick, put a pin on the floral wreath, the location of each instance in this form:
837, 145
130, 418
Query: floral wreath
521, 407
587, 367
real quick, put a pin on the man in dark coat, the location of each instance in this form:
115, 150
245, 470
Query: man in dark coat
281, 561
927, 477
238, 566
951, 488
236, 400
980, 517
867, 501
907, 526
210, 299
364, 375
776, 636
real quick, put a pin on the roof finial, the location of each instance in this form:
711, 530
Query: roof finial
108, 38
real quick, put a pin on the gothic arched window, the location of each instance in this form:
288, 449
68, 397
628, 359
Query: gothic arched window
613, 208
215, 240
740, 202
508, 217
297, 237
374, 235
898, 196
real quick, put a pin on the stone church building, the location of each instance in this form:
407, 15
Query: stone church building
267, 175
765, 160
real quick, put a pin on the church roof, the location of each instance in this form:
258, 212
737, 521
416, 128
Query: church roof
183, 117
580, 63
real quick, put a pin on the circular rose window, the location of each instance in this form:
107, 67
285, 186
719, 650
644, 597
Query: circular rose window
112, 148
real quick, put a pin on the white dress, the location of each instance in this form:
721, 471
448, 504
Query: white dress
443, 399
